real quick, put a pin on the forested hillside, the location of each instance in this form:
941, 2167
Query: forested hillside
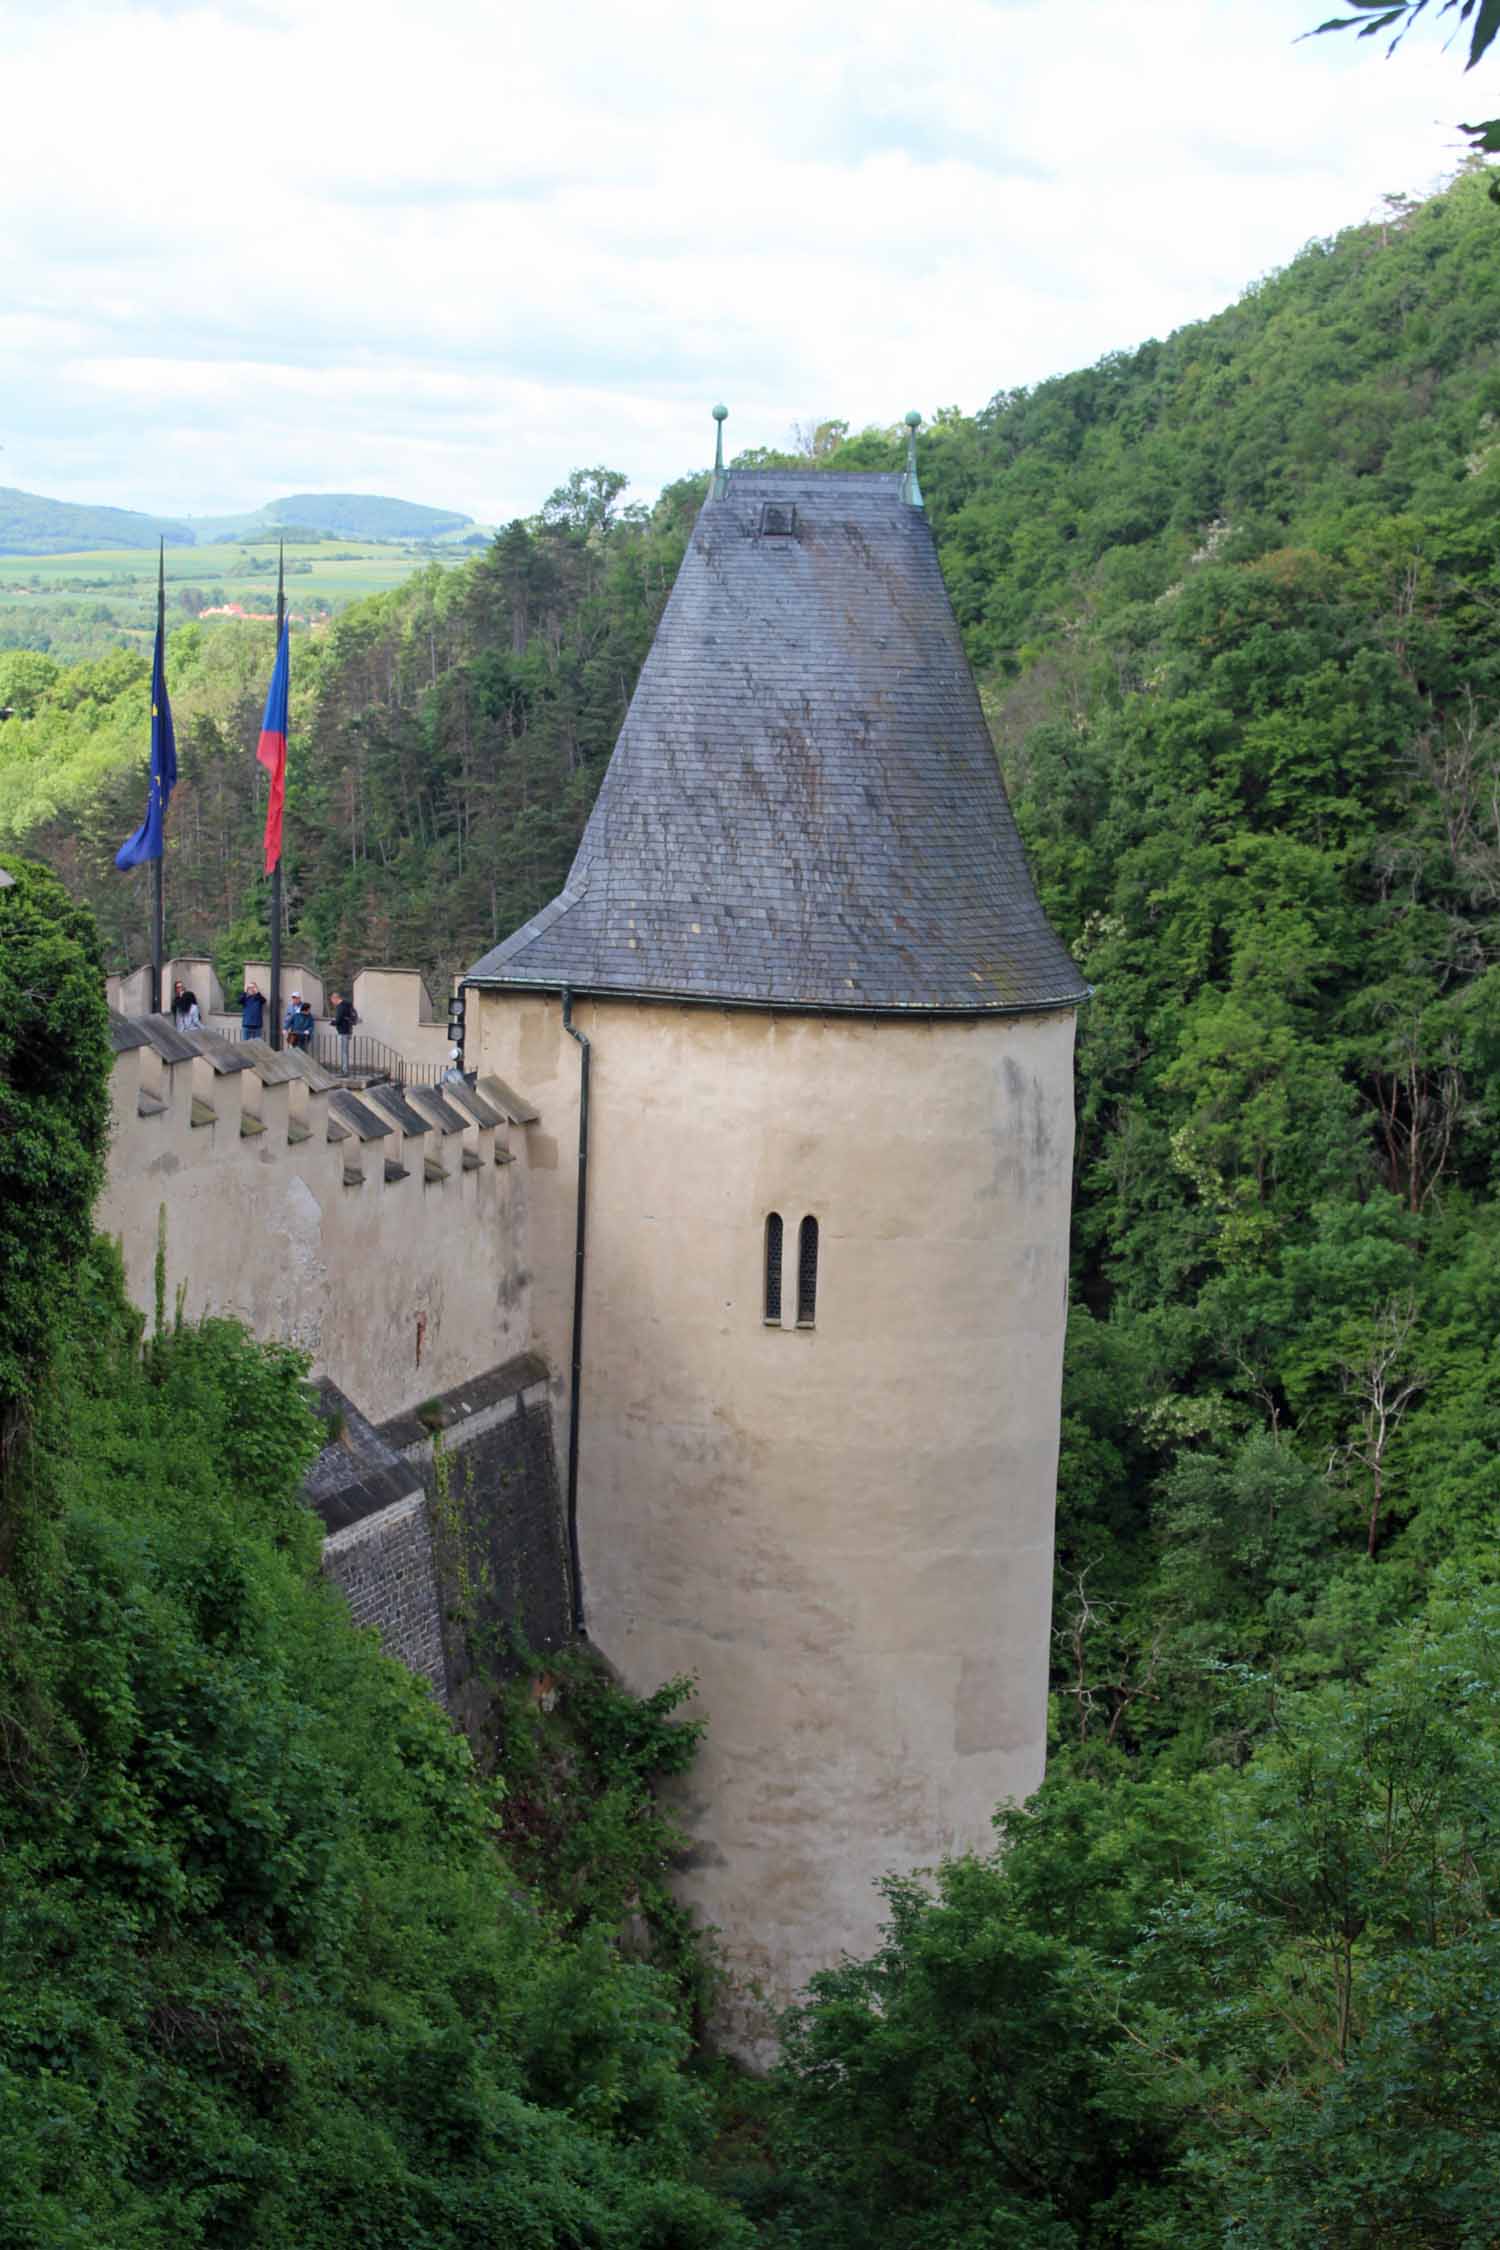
347, 515
1235, 1978
32, 525
1234, 600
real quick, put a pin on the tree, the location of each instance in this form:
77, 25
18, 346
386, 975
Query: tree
1381, 1385
587, 501
817, 440
54, 1118
25, 678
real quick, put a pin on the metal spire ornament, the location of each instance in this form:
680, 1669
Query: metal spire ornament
911, 491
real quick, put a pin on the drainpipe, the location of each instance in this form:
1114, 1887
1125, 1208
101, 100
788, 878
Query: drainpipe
574, 1562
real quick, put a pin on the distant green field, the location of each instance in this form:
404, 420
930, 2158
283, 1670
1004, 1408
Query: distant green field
78, 606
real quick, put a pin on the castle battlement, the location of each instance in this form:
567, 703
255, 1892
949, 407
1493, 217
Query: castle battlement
372, 1227
394, 1005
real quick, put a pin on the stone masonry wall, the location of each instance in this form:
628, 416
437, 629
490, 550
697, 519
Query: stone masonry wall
444, 1530
386, 1570
377, 1543
485, 1458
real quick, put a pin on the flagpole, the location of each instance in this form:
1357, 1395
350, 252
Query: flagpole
276, 870
158, 917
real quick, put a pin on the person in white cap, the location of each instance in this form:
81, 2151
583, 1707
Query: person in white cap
299, 1023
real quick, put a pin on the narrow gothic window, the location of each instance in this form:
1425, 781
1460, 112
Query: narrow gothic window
773, 1270
807, 1273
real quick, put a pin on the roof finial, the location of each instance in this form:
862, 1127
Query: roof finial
911, 491
720, 487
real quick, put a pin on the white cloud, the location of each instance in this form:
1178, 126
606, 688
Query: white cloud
453, 251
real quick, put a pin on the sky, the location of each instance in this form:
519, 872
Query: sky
451, 250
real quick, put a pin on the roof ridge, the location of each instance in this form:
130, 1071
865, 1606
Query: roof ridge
872, 478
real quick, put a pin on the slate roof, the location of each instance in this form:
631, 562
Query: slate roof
429, 1103
803, 809
172, 1045
123, 1034
394, 1106
369, 1124
358, 1472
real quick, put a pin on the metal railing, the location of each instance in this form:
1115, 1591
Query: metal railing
368, 1057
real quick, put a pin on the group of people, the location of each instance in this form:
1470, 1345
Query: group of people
298, 1024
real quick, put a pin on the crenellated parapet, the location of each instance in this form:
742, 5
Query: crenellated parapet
394, 1005
372, 1228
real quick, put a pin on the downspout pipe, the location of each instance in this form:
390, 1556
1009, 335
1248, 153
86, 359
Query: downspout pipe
575, 1564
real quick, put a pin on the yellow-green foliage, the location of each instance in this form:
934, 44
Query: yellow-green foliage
89, 723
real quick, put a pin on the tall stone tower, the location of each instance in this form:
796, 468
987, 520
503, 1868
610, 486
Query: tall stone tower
814, 1316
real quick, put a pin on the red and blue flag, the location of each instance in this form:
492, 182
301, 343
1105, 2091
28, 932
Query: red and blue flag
271, 749
146, 843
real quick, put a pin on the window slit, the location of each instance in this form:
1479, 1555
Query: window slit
773, 1269
807, 1273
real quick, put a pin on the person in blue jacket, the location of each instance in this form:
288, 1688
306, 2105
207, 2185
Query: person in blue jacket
252, 1011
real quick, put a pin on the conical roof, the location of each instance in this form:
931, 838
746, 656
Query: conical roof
803, 809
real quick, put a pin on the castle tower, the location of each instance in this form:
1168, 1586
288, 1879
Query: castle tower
829, 1134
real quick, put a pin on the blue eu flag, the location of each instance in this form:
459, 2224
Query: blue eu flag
146, 842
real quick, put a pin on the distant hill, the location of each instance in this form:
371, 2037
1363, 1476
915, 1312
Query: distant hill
337, 515
30, 525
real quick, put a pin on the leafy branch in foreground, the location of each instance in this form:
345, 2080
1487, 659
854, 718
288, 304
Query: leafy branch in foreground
1370, 17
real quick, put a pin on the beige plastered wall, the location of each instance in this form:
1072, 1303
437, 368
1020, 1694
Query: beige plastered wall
845, 1532
395, 1006
398, 1289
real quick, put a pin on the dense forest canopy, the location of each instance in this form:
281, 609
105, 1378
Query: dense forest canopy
1234, 1978
1234, 602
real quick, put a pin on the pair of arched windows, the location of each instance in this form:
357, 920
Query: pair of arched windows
807, 1271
